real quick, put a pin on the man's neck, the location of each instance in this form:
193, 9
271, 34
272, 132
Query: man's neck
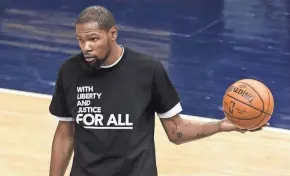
116, 53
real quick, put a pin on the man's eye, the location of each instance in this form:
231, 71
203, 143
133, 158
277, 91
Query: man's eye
94, 39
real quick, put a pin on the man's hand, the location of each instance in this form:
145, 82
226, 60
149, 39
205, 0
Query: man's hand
228, 126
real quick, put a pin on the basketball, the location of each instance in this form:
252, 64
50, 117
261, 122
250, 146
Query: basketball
248, 104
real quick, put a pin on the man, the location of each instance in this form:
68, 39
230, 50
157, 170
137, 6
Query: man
106, 98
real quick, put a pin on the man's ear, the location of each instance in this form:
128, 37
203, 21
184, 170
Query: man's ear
113, 33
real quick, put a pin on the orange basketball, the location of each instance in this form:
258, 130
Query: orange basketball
248, 104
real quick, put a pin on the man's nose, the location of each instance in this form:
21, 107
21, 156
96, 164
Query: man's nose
88, 47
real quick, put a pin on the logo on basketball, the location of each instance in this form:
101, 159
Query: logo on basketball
231, 107
241, 111
242, 86
239, 90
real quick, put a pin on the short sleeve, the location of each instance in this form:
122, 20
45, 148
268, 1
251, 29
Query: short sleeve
58, 106
166, 101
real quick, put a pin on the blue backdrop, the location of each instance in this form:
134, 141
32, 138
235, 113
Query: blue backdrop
205, 46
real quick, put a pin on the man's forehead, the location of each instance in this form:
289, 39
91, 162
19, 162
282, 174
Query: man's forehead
87, 26
88, 29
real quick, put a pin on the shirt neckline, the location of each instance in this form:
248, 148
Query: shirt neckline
116, 62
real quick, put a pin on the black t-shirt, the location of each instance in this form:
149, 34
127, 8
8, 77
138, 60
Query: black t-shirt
113, 110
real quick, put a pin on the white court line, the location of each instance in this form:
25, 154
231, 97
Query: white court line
45, 96
30, 94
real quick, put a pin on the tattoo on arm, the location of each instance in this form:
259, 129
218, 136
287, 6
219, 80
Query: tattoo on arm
197, 136
200, 135
179, 134
185, 131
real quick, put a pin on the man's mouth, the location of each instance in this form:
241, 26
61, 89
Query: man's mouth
89, 59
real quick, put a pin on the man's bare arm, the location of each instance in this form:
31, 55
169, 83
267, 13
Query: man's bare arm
181, 130
62, 147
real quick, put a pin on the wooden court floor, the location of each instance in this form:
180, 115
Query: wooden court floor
26, 132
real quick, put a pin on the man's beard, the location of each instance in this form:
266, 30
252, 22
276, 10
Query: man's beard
96, 65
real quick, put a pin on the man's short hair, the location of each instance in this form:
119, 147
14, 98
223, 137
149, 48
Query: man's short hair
98, 14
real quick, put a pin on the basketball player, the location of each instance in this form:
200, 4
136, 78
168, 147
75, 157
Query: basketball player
106, 98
